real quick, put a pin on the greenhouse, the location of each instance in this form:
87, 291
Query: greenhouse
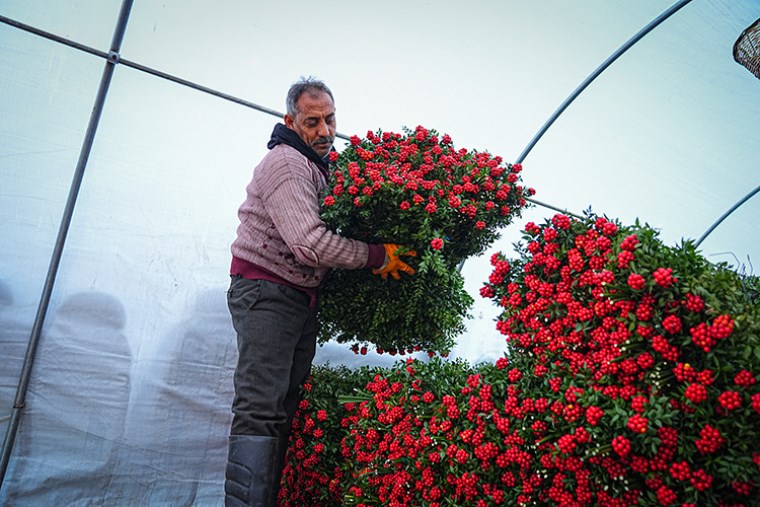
583, 325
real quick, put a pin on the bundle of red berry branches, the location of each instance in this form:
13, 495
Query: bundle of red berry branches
417, 190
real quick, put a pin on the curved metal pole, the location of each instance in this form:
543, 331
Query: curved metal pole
726, 214
549, 206
84, 154
625, 47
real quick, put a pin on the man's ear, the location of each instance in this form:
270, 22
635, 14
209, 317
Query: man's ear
289, 120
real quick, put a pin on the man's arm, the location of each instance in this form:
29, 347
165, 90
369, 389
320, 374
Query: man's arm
291, 199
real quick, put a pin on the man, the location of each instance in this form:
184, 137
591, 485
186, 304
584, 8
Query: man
282, 253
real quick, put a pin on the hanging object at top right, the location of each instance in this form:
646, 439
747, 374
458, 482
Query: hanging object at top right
747, 48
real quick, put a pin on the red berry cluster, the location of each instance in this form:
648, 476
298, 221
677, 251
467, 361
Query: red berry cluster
500, 270
742, 487
710, 440
744, 378
594, 414
621, 445
694, 303
672, 324
730, 400
680, 471
756, 405
666, 496
706, 336
722, 327
638, 423
561, 221
701, 480
666, 350
636, 281
684, 372
663, 277
629, 243
696, 393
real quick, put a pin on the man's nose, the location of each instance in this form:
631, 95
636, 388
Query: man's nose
324, 129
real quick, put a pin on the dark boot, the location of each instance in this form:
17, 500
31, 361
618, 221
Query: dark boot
251, 471
282, 449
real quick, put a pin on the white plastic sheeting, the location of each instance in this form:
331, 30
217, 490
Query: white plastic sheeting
103, 429
128, 402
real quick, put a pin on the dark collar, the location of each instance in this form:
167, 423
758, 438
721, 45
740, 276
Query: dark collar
283, 135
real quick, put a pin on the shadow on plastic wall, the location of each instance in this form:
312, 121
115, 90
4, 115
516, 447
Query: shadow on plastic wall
102, 426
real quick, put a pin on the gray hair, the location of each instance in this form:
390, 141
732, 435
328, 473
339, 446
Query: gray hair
310, 85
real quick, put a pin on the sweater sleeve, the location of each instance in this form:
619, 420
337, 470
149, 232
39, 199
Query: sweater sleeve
376, 257
291, 199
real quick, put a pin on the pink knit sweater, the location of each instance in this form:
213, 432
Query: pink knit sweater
280, 229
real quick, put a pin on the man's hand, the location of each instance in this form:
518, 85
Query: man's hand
393, 264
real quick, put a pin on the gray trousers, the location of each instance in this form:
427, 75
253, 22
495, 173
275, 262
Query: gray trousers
276, 336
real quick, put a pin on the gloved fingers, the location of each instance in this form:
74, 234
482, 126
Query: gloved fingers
406, 268
383, 274
392, 250
393, 262
411, 253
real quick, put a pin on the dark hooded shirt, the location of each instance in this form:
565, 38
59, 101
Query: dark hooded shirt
283, 135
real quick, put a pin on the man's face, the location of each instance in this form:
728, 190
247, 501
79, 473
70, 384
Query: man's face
314, 122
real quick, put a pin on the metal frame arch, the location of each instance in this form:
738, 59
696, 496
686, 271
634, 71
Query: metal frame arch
726, 214
614, 56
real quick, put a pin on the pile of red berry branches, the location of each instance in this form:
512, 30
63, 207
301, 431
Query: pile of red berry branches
631, 378
648, 357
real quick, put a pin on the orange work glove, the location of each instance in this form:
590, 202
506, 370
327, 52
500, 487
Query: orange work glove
393, 264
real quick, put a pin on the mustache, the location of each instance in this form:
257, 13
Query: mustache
323, 140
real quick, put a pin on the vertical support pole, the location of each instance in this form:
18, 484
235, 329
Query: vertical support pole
84, 154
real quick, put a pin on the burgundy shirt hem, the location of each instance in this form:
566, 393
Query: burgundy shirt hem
251, 271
